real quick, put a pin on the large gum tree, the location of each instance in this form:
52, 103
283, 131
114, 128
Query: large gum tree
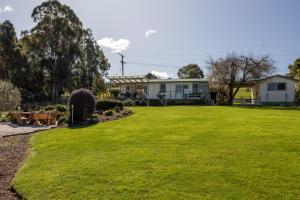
57, 37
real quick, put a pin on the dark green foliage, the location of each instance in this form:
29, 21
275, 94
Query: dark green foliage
56, 56
115, 92
190, 71
108, 113
63, 120
107, 104
84, 104
61, 108
49, 108
151, 76
294, 72
12, 63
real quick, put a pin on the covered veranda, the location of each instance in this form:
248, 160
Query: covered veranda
133, 87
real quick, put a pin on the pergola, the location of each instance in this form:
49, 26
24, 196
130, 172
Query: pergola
128, 79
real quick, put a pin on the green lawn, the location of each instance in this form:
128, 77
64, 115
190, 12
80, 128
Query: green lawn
243, 92
170, 153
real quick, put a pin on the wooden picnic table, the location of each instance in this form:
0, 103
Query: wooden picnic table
36, 118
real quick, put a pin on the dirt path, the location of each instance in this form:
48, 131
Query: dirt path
12, 152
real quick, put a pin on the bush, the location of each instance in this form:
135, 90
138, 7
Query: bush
118, 109
4, 117
10, 96
63, 120
84, 104
108, 113
61, 108
115, 92
108, 104
49, 108
129, 102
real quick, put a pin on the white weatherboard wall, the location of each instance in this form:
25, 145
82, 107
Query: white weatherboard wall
266, 96
154, 88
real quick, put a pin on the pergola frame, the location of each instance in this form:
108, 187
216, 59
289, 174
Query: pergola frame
128, 79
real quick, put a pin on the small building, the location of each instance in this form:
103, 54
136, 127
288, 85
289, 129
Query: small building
274, 90
162, 91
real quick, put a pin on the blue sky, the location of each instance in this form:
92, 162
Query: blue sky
187, 31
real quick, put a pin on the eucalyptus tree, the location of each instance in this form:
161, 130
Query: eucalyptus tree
11, 60
190, 71
56, 35
92, 64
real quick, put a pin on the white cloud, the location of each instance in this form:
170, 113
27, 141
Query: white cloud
150, 32
6, 9
161, 75
116, 46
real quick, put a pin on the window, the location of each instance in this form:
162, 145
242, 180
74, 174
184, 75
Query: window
281, 86
162, 88
195, 88
276, 86
272, 86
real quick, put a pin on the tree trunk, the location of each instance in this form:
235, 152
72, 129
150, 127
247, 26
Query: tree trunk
230, 96
54, 93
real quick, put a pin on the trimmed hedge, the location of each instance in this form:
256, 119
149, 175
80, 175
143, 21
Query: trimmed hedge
108, 104
84, 104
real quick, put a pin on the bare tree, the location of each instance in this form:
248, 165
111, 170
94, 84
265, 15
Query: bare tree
230, 73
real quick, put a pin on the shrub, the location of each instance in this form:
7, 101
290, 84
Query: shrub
108, 113
129, 102
49, 108
118, 109
10, 96
63, 120
4, 117
84, 104
107, 104
61, 108
115, 92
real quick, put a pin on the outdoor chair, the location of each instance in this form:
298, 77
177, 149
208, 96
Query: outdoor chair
19, 119
53, 117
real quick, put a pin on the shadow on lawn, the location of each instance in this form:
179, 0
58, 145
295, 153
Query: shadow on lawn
293, 108
81, 126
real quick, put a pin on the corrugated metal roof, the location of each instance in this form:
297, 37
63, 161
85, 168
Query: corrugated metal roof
176, 80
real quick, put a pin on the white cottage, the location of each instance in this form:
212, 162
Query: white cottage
163, 91
274, 90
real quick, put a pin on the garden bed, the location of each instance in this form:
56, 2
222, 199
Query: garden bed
12, 153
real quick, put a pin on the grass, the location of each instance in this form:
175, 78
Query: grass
170, 153
243, 92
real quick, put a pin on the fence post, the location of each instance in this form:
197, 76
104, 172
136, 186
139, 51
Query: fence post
72, 107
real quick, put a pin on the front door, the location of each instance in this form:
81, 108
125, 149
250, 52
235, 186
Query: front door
185, 91
178, 92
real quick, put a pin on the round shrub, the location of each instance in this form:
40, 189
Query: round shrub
84, 104
10, 96
108, 104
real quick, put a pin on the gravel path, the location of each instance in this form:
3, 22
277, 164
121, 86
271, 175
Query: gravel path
9, 129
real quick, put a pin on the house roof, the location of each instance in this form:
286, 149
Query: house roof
278, 75
177, 80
